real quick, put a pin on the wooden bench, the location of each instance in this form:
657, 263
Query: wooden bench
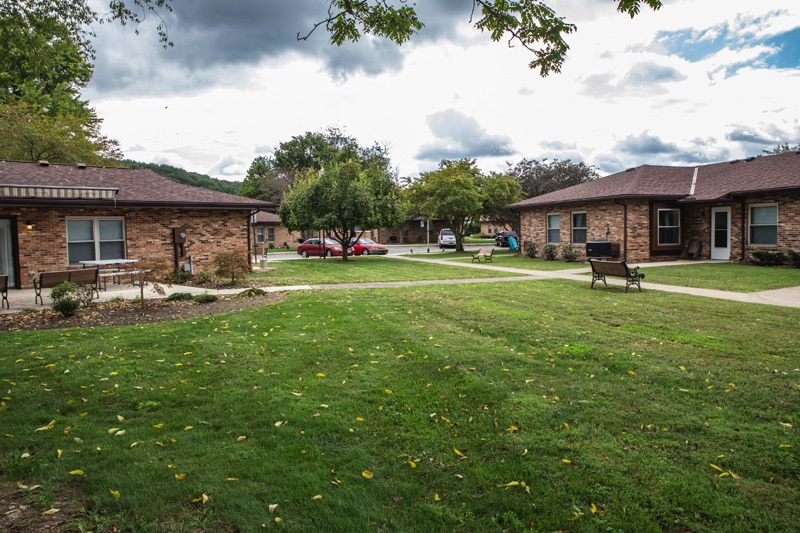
617, 269
483, 253
4, 292
85, 277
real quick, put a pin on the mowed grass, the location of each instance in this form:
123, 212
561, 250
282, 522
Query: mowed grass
535, 405
505, 258
316, 271
725, 276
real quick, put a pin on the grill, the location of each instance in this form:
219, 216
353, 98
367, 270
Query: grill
601, 249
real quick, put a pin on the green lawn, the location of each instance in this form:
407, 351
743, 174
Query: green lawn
518, 406
725, 276
507, 259
363, 269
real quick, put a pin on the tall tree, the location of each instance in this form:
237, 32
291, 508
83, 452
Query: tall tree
340, 199
541, 177
527, 23
459, 193
782, 148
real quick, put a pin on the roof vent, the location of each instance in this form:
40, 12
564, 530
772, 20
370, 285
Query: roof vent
630, 169
748, 159
734, 161
43, 163
80, 165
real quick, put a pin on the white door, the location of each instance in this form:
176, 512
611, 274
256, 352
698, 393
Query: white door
721, 233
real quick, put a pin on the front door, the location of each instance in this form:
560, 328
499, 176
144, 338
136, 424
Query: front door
8, 264
721, 233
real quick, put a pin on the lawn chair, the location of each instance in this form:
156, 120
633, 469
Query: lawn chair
693, 250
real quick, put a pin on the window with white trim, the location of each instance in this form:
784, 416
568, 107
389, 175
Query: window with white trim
579, 227
260, 234
764, 224
271, 234
91, 239
669, 227
553, 228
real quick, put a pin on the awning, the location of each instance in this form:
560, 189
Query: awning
67, 193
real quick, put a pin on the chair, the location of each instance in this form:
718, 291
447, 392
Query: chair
693, 249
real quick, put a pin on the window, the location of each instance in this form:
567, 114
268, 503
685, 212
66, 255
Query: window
763, 224
90, 239
578, 228
270, 234
554, 228
669, 227
260, 234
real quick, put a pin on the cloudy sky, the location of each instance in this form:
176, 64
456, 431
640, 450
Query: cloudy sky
698, 81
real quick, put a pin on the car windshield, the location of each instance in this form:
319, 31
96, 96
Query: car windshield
447, 232
331, 241
364, 240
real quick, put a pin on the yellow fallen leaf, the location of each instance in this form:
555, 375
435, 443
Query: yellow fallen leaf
388, 391
112, 430
683, 368
180, 476
272, 508
159, 443
188, 428
512, 484
119, 433
412, 464
277, 519
785, 446
566, 461
59, 453
565, 426
436, 498
359, 419
241, 438
231, 479
734, 476
367, 474
577, 516
114, 493
51, 511
49, 426
317, 497
120, 418
715, 467
512, 429
158, 426
320, 375
281, 423
458, 452
525, 452
202, 500
77, 472
594, 509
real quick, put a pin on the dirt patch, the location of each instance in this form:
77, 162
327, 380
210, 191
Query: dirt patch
131, 313
19, 514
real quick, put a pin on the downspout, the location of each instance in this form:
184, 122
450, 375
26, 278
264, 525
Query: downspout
624, 229
251, 229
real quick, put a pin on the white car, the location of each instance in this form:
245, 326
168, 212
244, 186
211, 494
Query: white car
447, 239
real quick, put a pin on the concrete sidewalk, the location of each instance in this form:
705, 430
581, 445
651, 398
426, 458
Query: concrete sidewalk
789, 297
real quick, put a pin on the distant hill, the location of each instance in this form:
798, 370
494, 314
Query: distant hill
188, 178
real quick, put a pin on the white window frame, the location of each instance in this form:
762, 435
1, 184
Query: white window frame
659, 226
750, 224
96, 236
259, 234
584, 228
548, 228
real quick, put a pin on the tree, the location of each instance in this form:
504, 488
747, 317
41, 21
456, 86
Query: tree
782, 148
528, 23
460, 194
341, 198
541, 177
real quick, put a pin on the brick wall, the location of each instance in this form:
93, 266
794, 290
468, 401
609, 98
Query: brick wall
148, 235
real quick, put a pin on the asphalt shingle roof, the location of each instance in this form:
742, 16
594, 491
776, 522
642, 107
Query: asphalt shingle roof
137, 187
715, 181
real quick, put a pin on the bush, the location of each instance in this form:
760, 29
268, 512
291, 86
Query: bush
532, 249
550, 252
205, 275
250, 293
179, 297
794, 259
65, 298
569, 253
205, 298
177, 277
765, 258
232, 264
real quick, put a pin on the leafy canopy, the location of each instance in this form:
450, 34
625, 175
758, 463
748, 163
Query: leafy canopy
541, 177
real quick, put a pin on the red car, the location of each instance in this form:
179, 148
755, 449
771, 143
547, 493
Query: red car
365, 246
314, 247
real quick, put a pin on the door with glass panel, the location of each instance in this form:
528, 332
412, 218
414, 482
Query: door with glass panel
7, 258
721, 233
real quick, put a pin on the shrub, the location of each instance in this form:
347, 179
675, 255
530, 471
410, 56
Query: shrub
250, 293
179, 297
765, 258
550, 252
232, 264
271, 245
532, 249
65, 298
177, 277
569, 253
794, 259
205, 298
205, 275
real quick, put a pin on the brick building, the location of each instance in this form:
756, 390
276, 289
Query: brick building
415, 230
653, 213
52, 216
268, 230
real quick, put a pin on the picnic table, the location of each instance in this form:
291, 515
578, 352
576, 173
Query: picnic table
115, 269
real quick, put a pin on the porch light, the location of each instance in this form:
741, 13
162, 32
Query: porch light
29, 224
608, 229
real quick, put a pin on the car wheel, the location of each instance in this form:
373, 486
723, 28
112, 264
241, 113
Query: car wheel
304, 254
328, 253
364, 252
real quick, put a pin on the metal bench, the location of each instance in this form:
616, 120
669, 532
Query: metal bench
483, 253
4, 292
617, 269
85, 277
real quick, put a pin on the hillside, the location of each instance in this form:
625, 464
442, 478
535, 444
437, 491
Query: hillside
188, 178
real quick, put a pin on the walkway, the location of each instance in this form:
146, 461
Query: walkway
789, 297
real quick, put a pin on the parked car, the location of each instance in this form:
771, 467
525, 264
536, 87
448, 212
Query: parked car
447, 239
315, 246
501, 238
365, 246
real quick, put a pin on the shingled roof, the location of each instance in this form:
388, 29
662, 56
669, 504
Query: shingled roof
717, 181
44, 184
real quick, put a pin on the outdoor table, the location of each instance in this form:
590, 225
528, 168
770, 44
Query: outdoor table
115, 272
